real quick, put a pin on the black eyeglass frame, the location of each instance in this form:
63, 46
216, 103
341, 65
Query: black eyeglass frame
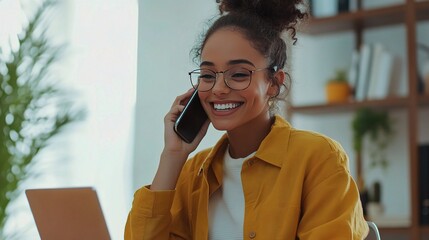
274, 69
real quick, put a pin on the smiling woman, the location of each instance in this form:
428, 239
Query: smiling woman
261, 170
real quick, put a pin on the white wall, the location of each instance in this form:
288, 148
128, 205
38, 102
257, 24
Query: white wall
103, 39
167, 32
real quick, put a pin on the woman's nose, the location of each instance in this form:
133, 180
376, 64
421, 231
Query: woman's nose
220, 86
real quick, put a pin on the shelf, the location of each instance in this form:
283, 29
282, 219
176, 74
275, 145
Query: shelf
424, 100
366, 18
424, 229
394, 229
422, 9
392, 222
390, 103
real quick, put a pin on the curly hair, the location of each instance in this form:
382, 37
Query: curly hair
262, 22
279, 14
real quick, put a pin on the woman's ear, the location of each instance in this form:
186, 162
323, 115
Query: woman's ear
279, 78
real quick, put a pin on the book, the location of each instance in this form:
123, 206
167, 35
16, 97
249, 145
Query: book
363, 74
426, 77
374, 74
353, 71
382, 80
385, 76
424, 184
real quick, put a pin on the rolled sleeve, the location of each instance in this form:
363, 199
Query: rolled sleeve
150, 216
153, 203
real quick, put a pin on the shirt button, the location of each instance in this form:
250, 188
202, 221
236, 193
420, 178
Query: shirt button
250, 162
252, 235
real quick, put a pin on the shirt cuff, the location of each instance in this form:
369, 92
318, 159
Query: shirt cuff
153, 203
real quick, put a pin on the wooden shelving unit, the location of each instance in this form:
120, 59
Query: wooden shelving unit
391, 103
424, 230
407, 14
424, 100
362, 18
422, 9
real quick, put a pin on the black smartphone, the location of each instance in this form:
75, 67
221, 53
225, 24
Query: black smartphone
191, 119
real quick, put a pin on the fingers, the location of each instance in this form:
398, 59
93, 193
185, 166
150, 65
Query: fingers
202, 133
178, 106
171, 139
183, 99
174, 113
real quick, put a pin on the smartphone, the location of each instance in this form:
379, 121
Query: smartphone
191, 119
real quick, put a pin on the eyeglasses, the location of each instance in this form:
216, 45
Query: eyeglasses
236, 78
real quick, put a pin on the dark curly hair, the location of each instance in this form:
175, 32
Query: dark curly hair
262, 22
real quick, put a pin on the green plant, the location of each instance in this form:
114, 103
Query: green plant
339, 77
378, 126
33, 109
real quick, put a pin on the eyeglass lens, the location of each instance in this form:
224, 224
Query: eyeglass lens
235, 78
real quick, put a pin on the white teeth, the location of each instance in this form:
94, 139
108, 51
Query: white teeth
226, 106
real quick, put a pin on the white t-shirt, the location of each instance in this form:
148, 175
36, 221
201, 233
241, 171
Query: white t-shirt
226, 205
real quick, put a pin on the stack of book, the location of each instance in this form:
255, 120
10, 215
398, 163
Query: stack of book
371, 72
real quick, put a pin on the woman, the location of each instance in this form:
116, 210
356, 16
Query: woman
263, 179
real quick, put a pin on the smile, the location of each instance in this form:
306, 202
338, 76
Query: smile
226, 106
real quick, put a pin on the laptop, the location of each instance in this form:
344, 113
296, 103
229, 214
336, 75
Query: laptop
68, 213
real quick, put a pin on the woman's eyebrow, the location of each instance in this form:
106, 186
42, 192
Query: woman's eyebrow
231, 62
240, 61
207, 63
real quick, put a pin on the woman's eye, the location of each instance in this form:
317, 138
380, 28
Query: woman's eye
207, 77
239, 76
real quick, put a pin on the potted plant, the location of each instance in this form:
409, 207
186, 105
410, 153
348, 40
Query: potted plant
33, 108
337, 88
378, 126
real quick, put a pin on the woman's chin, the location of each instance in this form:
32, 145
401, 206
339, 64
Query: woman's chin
221, 126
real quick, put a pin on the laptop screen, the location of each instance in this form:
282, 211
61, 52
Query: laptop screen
67, 213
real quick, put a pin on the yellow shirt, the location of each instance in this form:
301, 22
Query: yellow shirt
297, 186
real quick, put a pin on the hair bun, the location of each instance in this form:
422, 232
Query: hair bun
280, 14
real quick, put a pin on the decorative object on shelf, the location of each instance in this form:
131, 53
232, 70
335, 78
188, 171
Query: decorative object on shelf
378, 126
337, 88
33, 108
424, 184
374, 206
343, 6
326, 8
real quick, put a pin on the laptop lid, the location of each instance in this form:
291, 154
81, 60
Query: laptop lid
67, 213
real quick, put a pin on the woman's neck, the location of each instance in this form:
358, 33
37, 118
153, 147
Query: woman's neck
246, 139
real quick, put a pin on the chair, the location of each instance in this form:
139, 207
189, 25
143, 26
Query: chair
373, 231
